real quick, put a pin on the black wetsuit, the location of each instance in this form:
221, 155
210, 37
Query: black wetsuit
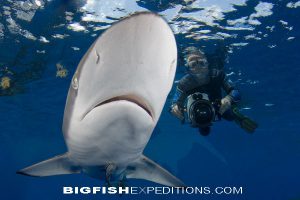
189, 85
218, 84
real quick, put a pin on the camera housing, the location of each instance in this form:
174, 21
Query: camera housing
200, 111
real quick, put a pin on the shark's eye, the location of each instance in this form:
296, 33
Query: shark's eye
75, 83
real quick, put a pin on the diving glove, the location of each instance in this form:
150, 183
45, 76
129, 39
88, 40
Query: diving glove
245, 122
225, 104
174, 110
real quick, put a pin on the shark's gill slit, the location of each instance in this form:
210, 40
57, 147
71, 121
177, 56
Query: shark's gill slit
172, 65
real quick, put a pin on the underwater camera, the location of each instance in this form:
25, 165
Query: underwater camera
200, 111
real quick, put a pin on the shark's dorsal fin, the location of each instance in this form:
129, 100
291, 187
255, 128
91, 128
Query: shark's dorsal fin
144, 168
54, 166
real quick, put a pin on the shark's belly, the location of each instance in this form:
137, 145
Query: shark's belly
119, 140
100, 151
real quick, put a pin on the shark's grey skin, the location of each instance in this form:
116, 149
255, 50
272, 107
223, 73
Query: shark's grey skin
114, 102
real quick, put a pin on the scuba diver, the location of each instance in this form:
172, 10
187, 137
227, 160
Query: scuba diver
198, 95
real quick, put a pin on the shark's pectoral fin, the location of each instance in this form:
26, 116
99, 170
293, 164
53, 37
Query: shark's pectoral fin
54, 166
144, 168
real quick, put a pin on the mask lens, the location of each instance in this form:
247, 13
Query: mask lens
193, 65
198, 65
202, 62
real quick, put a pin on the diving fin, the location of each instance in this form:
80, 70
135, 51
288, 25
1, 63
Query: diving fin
144, 168
245, 122
248, 125
54, 166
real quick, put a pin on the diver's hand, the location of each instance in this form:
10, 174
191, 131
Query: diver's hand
177, 112
225, 104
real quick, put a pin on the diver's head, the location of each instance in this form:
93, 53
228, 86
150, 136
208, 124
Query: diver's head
197, 64
196, 61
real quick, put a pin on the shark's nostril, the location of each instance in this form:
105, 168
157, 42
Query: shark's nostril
98, 57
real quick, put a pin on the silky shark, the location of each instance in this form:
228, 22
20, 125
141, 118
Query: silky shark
114, 102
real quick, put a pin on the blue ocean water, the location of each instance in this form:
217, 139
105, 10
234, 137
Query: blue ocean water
39, 39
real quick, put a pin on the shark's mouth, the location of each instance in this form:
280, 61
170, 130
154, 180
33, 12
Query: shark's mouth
132, 99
